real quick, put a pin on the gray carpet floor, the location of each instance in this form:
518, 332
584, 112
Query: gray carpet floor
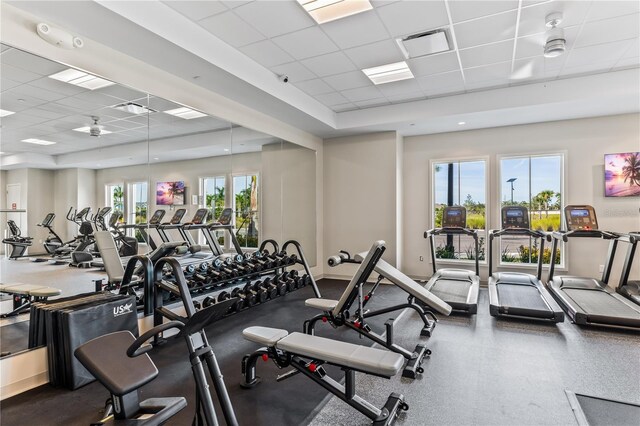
487, 371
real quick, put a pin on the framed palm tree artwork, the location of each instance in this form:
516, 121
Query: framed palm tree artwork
170, 193
622, 174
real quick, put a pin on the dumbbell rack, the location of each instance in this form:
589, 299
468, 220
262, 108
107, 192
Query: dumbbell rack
177, 282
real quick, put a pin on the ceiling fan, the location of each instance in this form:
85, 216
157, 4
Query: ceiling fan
95, 129
553, 45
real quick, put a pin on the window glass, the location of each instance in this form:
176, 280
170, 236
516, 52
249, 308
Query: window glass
460, 183
115, 198
214, 193
534, 182
246, 209
138, 198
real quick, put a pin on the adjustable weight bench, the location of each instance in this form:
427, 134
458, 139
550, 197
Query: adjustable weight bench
343, 312
24, 295
307, 355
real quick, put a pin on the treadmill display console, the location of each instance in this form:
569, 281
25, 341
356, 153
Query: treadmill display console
580, 218
157, 217
199, 217
177, 216
225, 216
515, 217
454, 217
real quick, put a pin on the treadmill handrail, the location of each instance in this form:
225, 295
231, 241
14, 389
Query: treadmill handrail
592, 233
584, 233
451, 231
431, 235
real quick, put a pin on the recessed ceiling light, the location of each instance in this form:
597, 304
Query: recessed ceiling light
329, 10
388, 73
186, 113
461, 123
2, 153
133, 108
156, 158
87, 129
81, 79
4, 112
38, 141
226, 150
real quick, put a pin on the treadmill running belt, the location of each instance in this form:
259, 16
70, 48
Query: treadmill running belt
595, 302
604, 412
521, 296
451, 290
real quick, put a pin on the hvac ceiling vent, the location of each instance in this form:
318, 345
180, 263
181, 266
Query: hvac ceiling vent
134, 108
423, 44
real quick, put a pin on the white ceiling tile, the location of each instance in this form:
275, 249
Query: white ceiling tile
124, 93
442, 83
6, 84
266, 53
28, 92
433, 64
231, 4
362, 94
344, 107
409, 86
611, 9
196, 10
588, 69
306, 43
57, 86
533, 45
634, 49
314, 87
17, 74
487, 73
487, 84
486, 30
274, 18
532, 19
536, 68
487, 54
348, 80
607, 30
370, 103
409, 17
330, 99
606, 52
329, 64
461, 10
374, 54
406, 97
342, 31
295, 71
628, 63
31, 63
231, 29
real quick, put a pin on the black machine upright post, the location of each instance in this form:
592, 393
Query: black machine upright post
449, 200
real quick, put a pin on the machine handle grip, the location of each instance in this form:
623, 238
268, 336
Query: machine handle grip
138, 348
334, 261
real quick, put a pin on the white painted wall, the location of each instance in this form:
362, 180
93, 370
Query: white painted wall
585, 142
360, 196
41, 201
3, 204
66, 196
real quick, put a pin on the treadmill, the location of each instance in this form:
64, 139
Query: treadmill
587, 301
516, 294
629, 289
457, 287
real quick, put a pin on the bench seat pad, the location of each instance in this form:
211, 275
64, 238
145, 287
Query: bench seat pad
322, 304
363, 358
264, 335
29, 289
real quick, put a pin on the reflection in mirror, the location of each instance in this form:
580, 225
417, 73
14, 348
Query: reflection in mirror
60, 128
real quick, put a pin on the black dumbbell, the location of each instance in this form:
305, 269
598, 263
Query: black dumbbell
248, 299
271, 289
189, 269
280, 286
259, 293
208, 301
265, 292
197, 305
284, 278
304, 281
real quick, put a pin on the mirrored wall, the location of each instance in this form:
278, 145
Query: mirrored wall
75, 148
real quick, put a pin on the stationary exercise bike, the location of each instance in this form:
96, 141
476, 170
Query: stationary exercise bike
119, 361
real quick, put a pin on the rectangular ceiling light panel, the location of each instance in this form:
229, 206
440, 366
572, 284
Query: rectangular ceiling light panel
82, 79
4, 112
38, 141
186, 113
389, 73
329, 10
424, 44
134, 108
